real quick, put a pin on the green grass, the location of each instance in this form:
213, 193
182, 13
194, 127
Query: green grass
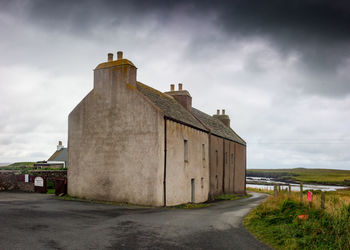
181, 206
276, 223
192, 205
313, 176
72, 198
260, 190
50, 191
230, 197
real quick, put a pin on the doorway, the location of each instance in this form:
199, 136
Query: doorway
192, 190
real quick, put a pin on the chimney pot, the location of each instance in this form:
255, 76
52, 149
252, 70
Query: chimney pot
120, 55
180, 86
223, 112
218, 111
110, 57
172, 87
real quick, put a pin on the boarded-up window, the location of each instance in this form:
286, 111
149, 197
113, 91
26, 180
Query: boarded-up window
186, 150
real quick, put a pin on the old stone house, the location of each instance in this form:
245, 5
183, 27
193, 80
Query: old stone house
128, 142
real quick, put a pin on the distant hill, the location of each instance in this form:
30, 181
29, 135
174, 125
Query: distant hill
18, 165
4, 164
305, 175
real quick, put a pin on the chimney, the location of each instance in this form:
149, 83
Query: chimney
59, 146
225, 119
181, 96
116, 70
119, 55
110, 57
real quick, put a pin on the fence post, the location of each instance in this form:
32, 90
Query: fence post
323, 198
301, 192
275, 190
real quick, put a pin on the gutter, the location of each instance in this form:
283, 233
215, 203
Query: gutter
165, 152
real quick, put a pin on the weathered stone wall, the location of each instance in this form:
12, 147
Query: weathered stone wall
216, 166
180, 172
240, 168
227, 167
116, 142
7, 181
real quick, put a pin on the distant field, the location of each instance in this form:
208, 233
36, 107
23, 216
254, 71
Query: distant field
319, 176
18, 165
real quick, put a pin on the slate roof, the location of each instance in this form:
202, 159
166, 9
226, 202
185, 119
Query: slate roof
59, 155
217, 127
172, 109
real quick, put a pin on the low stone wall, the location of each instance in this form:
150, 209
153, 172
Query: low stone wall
7, 180
13, 180
50, 174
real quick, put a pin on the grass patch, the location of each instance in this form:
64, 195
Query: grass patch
260, 190
72, 198
192, 205
50, 191
276, 222
230, 197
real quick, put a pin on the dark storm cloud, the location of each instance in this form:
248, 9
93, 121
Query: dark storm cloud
318, 31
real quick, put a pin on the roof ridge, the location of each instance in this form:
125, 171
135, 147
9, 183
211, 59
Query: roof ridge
170, 106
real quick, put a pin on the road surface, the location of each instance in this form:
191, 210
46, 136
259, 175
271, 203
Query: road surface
39, 221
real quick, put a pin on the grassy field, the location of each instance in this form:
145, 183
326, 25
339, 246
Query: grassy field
18, 165
276, 221
314, 176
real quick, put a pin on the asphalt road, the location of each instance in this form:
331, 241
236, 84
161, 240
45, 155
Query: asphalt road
39, 221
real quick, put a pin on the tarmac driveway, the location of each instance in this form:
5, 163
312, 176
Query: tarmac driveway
39, 221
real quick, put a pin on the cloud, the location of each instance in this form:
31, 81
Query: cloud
280, 69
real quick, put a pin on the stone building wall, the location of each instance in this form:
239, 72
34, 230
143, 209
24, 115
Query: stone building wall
116, 142
186, 172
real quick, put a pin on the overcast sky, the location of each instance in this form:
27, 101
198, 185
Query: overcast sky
279, 68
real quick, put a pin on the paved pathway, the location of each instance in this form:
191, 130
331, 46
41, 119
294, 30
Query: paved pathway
36, 221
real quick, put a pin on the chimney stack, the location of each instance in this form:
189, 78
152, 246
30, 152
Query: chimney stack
181, 96
59, 146
110, 57
225, 119
120, 55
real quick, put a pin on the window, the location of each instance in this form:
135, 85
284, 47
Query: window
186, 150
203, 152
217, 158
202, 182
